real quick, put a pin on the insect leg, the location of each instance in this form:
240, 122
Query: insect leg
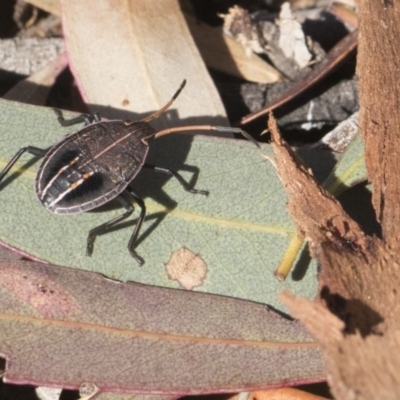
35, 151
86, 118
132, 241
178, 177
99, 230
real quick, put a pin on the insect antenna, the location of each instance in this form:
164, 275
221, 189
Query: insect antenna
157, 113
187, 128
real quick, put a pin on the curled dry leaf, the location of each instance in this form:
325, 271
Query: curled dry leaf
238, 24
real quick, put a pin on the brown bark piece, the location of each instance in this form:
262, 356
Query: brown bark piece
356, 320
318, 215
378, 69
357, 367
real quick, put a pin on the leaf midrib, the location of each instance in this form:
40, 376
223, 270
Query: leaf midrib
153, 335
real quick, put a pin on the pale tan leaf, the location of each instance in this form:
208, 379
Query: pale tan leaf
219, 51
51, 6
133, 55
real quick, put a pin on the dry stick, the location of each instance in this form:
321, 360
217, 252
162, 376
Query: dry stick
335, 56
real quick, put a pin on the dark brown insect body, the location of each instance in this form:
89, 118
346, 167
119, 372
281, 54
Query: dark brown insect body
96, 164
93, 166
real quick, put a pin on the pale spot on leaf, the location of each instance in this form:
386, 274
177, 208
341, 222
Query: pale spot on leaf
187, 268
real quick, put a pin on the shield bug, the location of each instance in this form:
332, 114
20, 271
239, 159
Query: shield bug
89, 168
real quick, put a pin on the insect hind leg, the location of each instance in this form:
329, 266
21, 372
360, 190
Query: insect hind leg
132, 241
103, 228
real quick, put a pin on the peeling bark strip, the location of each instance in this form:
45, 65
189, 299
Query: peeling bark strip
319, 216
378, 69
356, 320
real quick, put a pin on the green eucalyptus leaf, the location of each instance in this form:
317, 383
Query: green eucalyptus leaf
227, 243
